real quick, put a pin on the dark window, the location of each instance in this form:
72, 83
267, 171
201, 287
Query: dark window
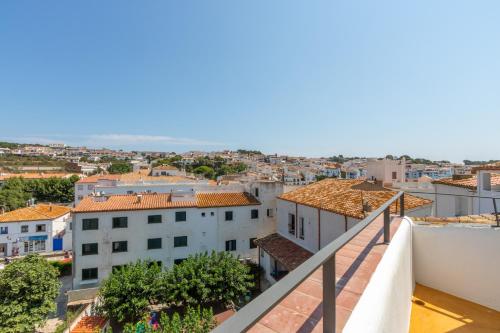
4, 230
180, 216
180, 241
154, 243
89, 248
291, 224
24, 228
120, 246
90, 224
178, 261
254, 213
212, 213
120, 222
394, 175
203, 214
41, 228
229, 215
231, 245
256, 191
154, 219
89, 274
252, 243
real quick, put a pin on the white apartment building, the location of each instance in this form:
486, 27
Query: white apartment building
386, 171
314, 215
114, 230
166, 170
40, 228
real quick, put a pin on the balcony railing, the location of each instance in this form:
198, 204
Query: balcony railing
251, 313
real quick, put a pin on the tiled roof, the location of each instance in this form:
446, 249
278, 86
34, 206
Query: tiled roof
36, 213
134, 177
479, 219
162, 201
492, 166
346, 197
468, 183
90, 324
285, 251
96, 178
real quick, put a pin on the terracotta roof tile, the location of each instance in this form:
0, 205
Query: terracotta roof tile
285, 251
162, 201
36, 213
468, 183
346, 197
165, 167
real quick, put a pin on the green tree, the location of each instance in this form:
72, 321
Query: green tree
128, 292
28, 289
120, 167
206, 171
206, 279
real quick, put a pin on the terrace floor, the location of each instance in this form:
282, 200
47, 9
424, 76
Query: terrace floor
435, 311
302, 310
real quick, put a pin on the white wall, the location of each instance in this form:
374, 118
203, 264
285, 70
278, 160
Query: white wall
385, 305
459, 260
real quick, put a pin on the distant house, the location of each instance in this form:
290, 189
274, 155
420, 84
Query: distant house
166, 170
40, 228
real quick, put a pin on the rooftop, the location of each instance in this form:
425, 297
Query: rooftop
123, 202
347, 196
468, 183
289, 254
35, 213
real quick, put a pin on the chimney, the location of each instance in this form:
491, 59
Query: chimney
139, 198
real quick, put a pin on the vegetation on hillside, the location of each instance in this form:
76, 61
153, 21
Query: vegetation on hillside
469, 162
28, 289
208, 167
119, 167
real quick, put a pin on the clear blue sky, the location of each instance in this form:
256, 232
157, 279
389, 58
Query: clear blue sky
312, 78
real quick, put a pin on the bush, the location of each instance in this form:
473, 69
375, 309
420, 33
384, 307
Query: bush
28, 289
206, 279
128, 292
194, 320
64, 267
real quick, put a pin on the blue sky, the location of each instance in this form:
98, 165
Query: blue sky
312, 78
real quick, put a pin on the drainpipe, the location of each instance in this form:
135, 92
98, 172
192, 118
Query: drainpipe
319, 229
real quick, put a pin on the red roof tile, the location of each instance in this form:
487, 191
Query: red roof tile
285, 251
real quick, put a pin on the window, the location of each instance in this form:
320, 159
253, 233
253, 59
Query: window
257, 192
90, 224
394, 175
80, 187
154, 219
291, 224
212, 214
120, 246
180, 241
180, 216
203, 214
120, 222
252, 243
41, 228
229, 215
89, 248
163, 173
90, 187
4, 230
89, 274
270, 212
178, 261
254, 213
301, 228
130, 192
154, 243
24, 228
231, 245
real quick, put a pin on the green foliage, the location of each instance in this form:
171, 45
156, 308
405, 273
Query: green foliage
16, 191
194, 320
169, 161
119, 167
206, 279
469, 162
127, 293
248, 152
320, 177
8, 145
64, 267
28, 289
206, 171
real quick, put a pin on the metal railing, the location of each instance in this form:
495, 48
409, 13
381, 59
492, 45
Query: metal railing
251, 313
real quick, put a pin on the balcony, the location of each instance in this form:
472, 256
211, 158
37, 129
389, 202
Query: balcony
364, 281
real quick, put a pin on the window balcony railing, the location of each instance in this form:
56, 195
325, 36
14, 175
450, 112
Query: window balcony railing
251, 313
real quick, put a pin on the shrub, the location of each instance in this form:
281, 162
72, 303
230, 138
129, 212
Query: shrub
205, 279
64, 267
